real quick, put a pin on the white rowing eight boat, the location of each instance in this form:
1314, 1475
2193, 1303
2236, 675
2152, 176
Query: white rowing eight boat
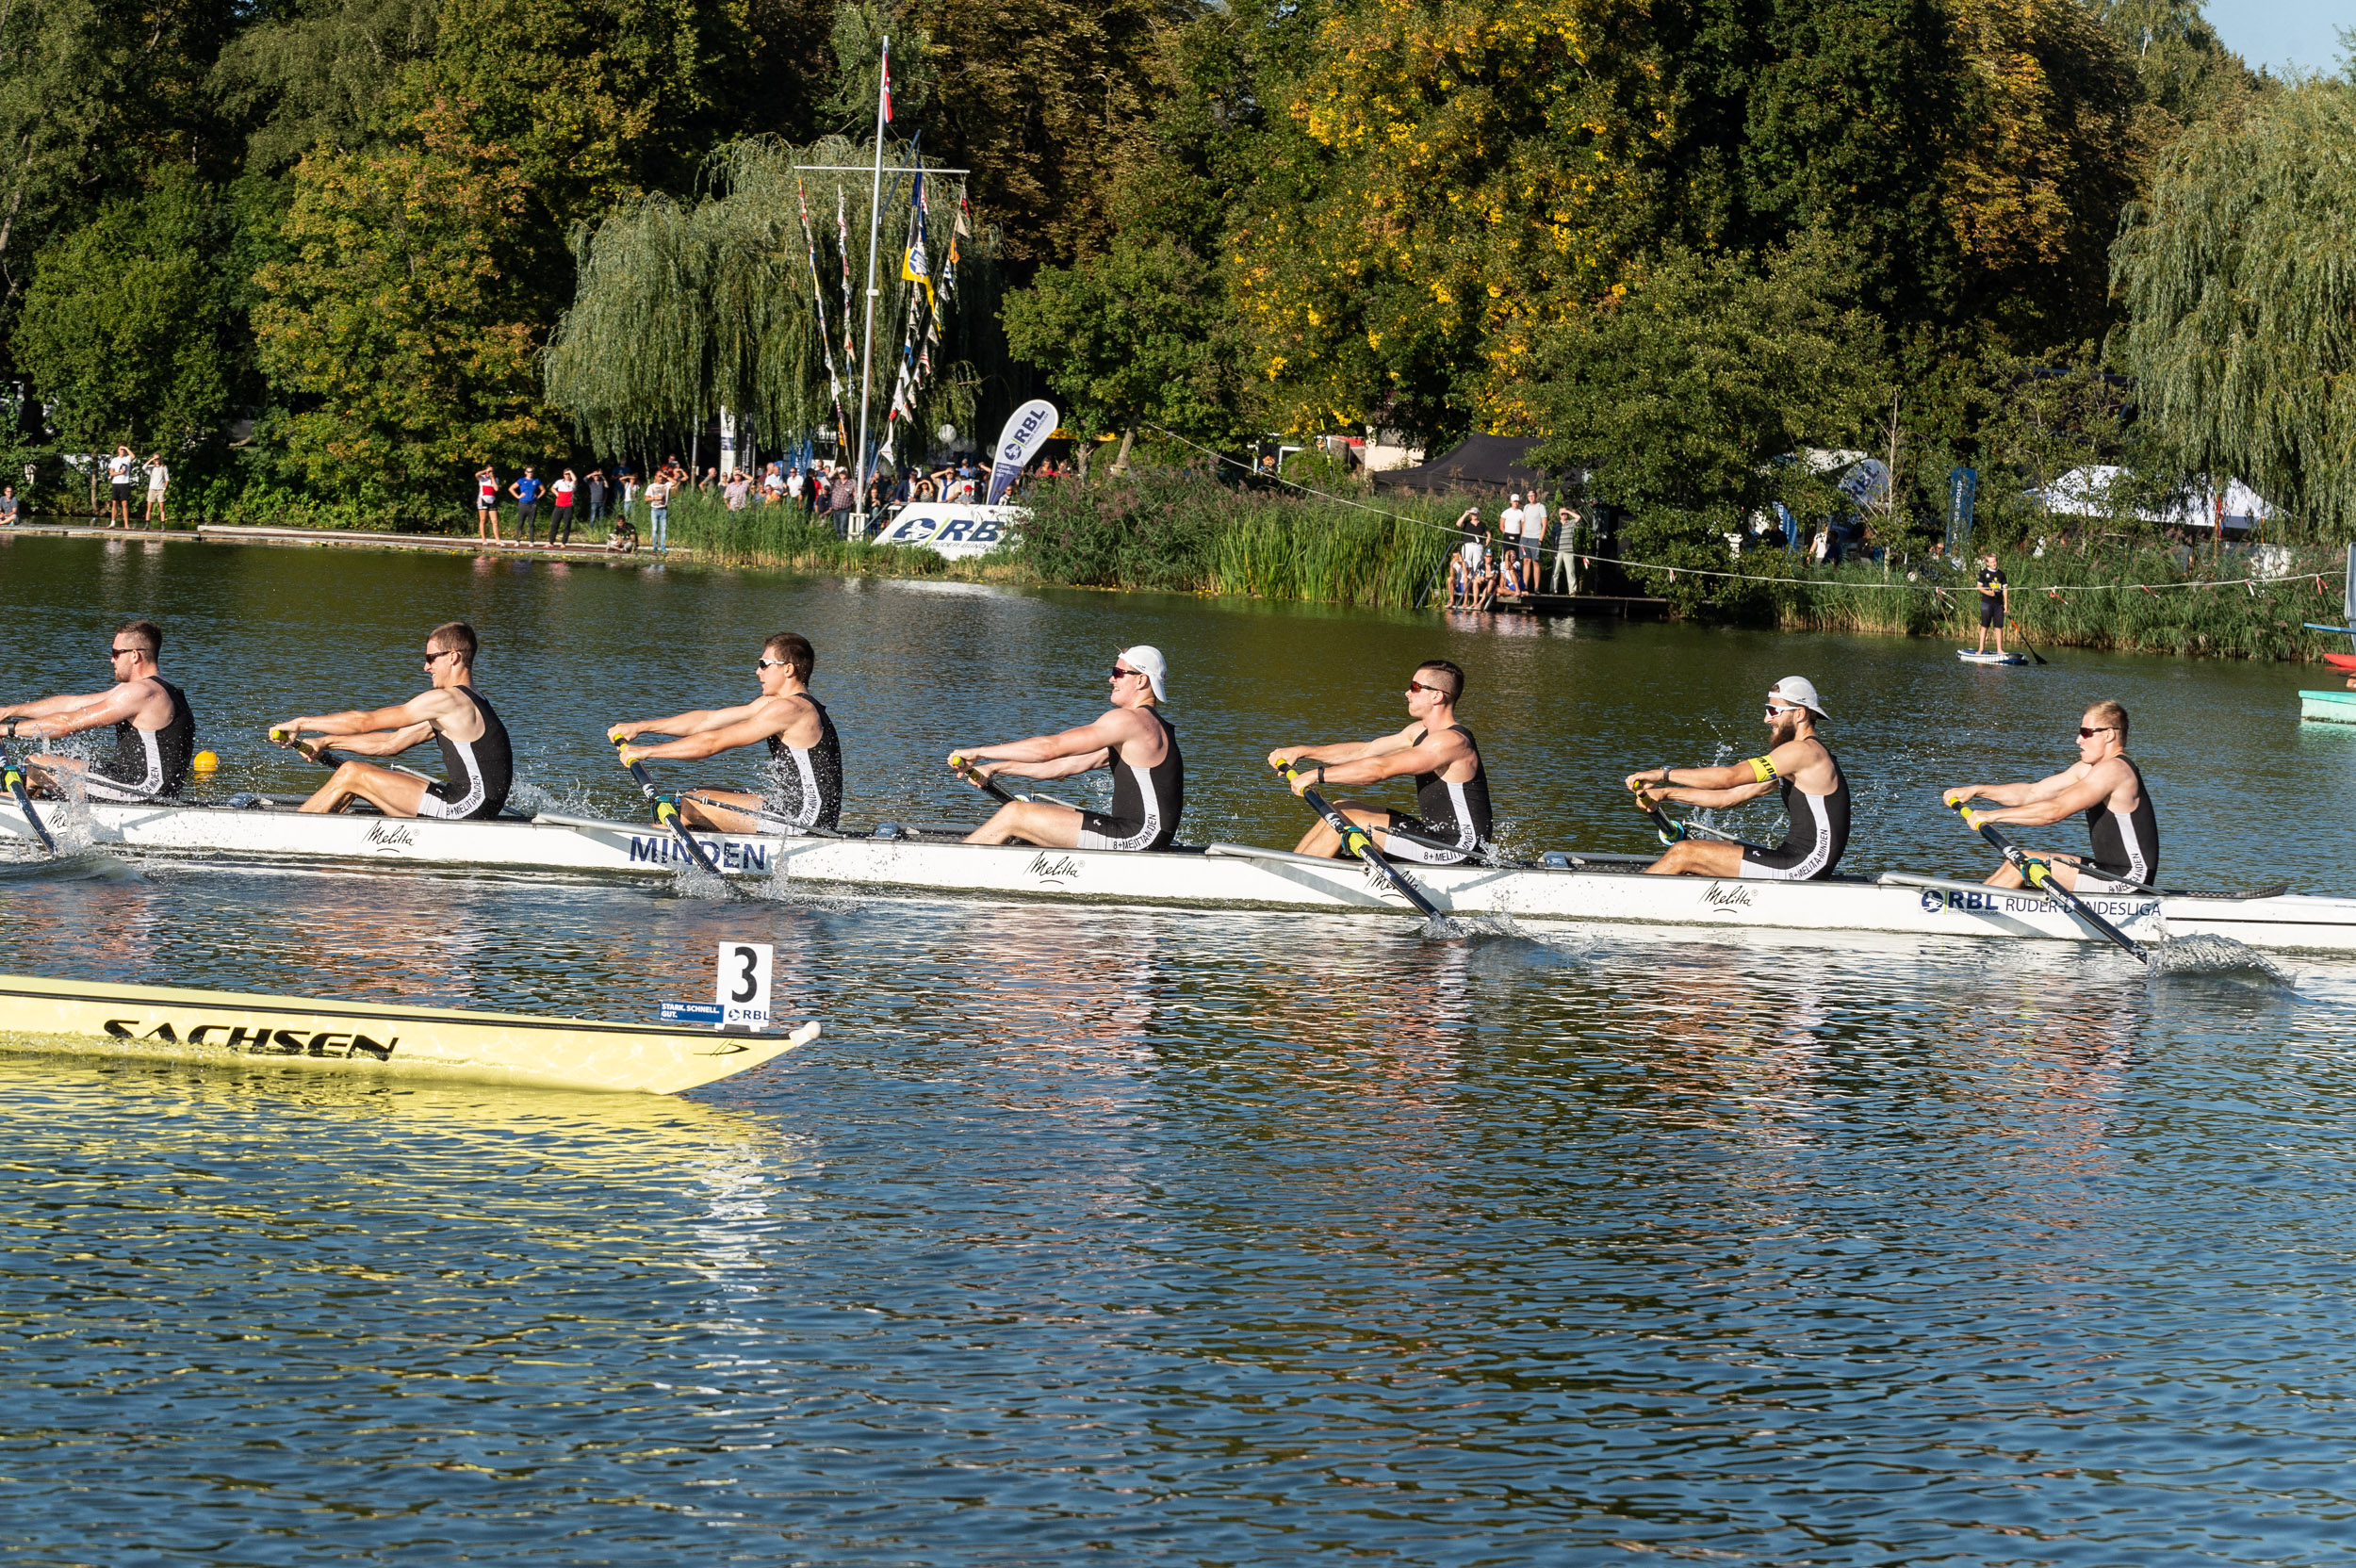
82, 1017
1580, 887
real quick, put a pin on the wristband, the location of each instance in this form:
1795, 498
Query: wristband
1321, 773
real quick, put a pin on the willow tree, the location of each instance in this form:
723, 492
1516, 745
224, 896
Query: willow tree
2239, 275
729, 302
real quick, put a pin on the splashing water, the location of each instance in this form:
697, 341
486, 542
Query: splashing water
692, 881
2204, 954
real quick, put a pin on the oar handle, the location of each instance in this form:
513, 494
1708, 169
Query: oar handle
2039, 874
667, 813
972, 776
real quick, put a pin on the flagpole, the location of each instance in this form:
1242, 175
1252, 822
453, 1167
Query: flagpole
874, 218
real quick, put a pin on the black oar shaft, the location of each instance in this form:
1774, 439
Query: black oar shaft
2040, 876
14, 778
669, 815
1360, 843
990, 787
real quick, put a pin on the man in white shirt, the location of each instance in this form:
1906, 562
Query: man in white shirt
118, 479
158, 477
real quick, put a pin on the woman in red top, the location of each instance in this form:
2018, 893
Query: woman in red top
486, 502
562, 518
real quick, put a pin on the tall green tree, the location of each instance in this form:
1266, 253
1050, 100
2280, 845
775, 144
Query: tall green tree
2239, 275
394, 326
1691, 399
125, 327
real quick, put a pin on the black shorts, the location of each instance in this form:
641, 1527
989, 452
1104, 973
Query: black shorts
1100, 831
1786, 862
122, 490
1992, 611
1446, 832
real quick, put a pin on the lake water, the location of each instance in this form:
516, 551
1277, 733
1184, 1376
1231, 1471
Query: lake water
1179, 1237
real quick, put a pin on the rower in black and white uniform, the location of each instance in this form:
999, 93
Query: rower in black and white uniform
1815, 797
1451, 816
480, 764
2106, 784
1133, 739
803, 787
154, 729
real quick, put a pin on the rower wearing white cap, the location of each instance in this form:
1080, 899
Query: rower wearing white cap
1133, 738
1815, 793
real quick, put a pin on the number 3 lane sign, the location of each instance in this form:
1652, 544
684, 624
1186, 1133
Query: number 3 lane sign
743, 984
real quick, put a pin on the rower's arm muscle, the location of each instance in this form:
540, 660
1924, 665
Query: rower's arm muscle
728, 731
49, 706
2050, 800
385, 743
107, 707
1714, 799
1392, 758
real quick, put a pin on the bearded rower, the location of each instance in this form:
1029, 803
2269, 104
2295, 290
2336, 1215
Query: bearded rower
474, 744
805, 785
1133, 740
2106, 785
1451, 784
155, 731
1815, 795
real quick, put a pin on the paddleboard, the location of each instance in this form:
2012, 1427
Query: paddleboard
1970, 656
79, 1016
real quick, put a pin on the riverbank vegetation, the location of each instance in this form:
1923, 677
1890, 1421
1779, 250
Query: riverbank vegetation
328, 257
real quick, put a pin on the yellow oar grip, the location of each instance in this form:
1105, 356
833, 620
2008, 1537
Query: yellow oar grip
276, 733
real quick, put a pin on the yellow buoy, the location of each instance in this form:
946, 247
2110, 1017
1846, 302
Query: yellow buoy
205, 762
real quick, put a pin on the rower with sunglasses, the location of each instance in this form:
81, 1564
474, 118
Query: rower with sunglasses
475, 752
1133, 740
155, 731
2105, 784
1440, 755
1815, 797
804, 788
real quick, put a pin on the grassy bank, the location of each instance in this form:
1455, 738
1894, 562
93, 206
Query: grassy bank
2263, 621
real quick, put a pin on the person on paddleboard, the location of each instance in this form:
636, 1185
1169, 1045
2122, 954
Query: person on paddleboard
2106, 784
1133, 740
805, 784
1451, 815
155, 731
475, 752
1815, 797
1995, 601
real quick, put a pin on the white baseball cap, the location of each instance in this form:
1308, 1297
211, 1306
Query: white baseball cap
1146, 658
1798, 690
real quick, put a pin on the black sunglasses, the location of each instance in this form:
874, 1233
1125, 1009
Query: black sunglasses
1118, 671
117, 653
2086, 734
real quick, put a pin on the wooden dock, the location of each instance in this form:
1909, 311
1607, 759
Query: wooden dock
328, 538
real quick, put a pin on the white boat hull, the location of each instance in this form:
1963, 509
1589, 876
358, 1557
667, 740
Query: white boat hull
1224, 878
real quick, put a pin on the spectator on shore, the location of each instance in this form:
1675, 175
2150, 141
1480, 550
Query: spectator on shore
8, 506
562, 516
595, 485
739, 490
623, 539
1565, 578
487, 503
527, 493
119, 487
626, 485
793, 485
773, 484
158, 477
1464, 565
658, 511
840, 499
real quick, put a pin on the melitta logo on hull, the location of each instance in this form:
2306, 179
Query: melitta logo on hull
260, 1040
388, 834
1727, 896
667, 851
1060, 868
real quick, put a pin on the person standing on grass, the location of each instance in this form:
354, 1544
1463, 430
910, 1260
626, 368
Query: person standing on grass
627, 478
562, 516
486, 504
738, 491
659, 512
597, 500
158, 477
527, 493
1995, 601
119, 481
793, 485
1509, 536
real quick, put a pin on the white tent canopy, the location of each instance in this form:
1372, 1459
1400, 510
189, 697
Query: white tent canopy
2086, 493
